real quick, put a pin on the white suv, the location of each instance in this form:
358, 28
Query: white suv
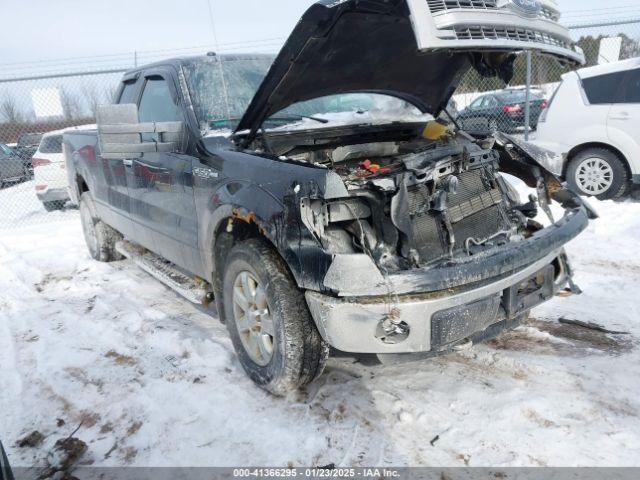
593, 123
49, 172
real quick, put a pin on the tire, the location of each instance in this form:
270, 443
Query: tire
53, 206
101, 239
598, 172
281, 349
492, 125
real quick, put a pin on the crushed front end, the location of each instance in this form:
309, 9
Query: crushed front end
432, 246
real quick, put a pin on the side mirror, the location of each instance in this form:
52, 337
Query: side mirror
120, 133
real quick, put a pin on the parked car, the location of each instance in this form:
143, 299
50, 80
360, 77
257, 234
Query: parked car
593, 126
372, 234
502, 111
11, 166
49, 171
26, 148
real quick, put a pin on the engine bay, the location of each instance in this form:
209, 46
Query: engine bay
417, 202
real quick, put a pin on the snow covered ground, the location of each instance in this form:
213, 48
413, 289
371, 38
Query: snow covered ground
153, 381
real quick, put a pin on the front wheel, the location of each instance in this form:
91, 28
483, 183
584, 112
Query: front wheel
101, 239
268, 320
598, 172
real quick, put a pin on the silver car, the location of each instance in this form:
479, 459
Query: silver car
11, 166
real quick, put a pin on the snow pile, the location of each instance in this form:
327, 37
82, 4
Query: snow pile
153, 381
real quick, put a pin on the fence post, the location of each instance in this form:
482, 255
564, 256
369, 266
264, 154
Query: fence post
527, 104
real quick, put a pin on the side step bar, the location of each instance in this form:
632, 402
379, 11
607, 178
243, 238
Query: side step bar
195, 290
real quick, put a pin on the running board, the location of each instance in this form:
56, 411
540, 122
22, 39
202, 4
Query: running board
195, 290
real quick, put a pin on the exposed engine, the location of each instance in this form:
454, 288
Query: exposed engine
419, 202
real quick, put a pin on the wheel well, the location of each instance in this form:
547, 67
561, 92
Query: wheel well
231, 231
586, 146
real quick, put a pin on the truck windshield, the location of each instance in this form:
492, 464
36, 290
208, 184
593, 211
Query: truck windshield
222, 87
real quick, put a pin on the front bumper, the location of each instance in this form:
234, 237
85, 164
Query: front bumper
434, 321
440, 307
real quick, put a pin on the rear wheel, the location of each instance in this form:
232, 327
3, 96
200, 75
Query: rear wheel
268, 320
101, 239
598, 172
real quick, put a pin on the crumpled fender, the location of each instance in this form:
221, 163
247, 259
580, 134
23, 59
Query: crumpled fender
523, 159
278, 222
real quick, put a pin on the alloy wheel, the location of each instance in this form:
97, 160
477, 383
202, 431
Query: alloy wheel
253, 318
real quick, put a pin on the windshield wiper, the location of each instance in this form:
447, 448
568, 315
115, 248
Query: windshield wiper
290, 118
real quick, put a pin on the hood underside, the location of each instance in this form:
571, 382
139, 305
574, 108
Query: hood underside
356, 46
386, 46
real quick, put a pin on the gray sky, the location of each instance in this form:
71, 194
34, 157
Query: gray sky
41, 30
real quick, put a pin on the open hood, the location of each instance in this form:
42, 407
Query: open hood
378, 46
352, 45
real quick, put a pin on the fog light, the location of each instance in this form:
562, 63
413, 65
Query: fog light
391, 330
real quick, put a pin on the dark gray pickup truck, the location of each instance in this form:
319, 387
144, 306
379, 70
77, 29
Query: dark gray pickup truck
315, 199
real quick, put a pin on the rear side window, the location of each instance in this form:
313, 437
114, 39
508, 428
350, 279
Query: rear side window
29, 139
604, 89
51, 144
156, 104
632, 87
128, 92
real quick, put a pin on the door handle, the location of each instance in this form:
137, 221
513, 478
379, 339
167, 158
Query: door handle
127, 162
621, 115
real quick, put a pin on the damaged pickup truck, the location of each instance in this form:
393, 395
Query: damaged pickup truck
316, 200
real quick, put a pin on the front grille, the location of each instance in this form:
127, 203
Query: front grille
509, 33
444, 5
441, 5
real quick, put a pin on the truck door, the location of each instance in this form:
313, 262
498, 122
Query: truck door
162, 200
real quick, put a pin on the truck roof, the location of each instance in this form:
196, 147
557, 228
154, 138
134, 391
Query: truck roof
178, 62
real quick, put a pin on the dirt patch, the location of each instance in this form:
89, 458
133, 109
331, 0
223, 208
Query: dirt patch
48, 279
574, 340
536, 418
133, 428
65, 454
34, 439
81, 375
91, 303
121, 359
106, 428
617, 266
89, 419
128, 454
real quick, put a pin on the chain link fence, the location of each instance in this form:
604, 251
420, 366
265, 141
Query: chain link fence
36, 108
488, 104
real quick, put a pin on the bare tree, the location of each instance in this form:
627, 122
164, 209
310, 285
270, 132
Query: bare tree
9, 108
92, 98
109, 93
70, 104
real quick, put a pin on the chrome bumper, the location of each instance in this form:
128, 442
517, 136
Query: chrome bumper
354, 324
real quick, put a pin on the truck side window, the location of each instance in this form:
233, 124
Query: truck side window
128, 92
156, 104
604, 89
